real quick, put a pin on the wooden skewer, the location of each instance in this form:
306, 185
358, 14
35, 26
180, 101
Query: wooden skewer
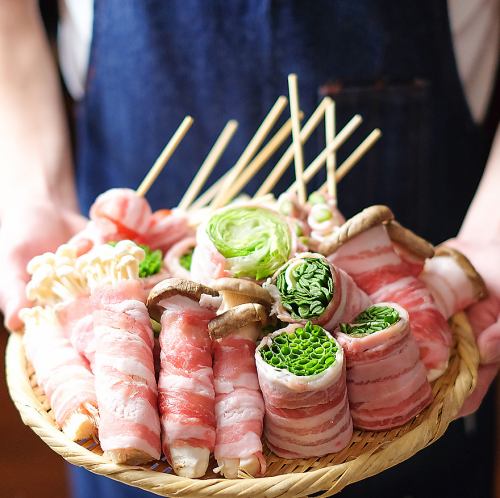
357, 154
260, 159
331, 158
320, 160
210, 193
287, 158
293, 91
165, 155
250, 149
209, 164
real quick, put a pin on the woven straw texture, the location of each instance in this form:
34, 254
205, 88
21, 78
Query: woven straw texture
368, 453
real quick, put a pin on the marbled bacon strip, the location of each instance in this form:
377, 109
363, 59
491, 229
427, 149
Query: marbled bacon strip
239, 407
186, 397
126, 388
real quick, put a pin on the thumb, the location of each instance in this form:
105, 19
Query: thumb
484, 318
13, 295
486, 374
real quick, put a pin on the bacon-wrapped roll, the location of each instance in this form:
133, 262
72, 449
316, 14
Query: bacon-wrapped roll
239, 407
323, 217
386, 381
128, 212
452, 280
186, 384
129, 430
363, 249
178, 258
57, 281
61, 372
166, 228
302, 377
241, 241
309, 288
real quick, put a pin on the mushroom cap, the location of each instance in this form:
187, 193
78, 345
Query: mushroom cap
175, 287
237, 317
243, 287
368, 218
475, 278
409, 240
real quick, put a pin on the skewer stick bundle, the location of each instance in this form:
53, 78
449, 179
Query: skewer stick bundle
165, 155
209, 164
357, 154
331, 159
251, 149
261, 158
287, 158
297, 143
320, 160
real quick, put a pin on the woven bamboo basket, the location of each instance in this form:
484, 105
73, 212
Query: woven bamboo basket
368, 453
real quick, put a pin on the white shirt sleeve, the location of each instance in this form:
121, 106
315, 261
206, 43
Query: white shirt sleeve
74, 37
475, 28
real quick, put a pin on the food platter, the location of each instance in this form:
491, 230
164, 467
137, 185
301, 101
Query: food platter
368, 453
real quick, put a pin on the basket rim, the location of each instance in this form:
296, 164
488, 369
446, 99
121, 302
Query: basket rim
329, 479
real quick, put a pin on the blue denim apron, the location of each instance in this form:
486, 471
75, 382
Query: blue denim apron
153, 61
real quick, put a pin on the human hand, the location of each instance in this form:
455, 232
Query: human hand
25, 233
484, 316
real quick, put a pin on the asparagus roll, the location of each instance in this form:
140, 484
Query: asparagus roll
186, 384
309, 288
61, 372
241, 241
386, 381
301, 374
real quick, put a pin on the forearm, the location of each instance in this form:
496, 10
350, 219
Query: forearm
482, 222
35, 149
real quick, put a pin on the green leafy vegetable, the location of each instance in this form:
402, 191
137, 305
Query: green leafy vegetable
306, 351
186, 259
373, 319
151, 264
256, 241
306, 287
